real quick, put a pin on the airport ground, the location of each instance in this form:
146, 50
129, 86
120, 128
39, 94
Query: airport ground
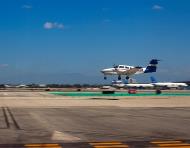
39, 119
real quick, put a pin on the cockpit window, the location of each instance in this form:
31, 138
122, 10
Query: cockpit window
121, 66
115, 66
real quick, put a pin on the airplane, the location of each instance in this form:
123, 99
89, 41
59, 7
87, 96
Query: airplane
120, 84
140, 85
21, 86
127, 70
7, 86
42, 85
167, 84
15, 86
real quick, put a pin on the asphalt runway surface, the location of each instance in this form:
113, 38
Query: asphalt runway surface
39, 120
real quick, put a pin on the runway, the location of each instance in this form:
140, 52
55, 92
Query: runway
28, 121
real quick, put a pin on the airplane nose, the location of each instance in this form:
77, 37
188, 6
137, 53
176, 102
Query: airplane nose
106, 70
103, 71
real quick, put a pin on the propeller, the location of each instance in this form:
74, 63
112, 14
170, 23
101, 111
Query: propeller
114, 65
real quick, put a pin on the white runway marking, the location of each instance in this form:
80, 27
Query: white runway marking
63, 136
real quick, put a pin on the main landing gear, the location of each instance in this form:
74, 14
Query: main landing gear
119, 77
127, 77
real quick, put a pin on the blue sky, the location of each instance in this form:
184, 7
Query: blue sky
70, 41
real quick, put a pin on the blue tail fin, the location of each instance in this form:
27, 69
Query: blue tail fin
153, 80
126, 82
152, 66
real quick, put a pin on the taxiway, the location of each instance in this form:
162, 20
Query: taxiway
39, 119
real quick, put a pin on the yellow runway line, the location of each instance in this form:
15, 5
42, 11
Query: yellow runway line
162, 142
170, 144
174, 144
111, 146
176, 147
104, 143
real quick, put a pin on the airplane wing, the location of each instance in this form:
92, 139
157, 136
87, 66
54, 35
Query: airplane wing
129, 71
132, 71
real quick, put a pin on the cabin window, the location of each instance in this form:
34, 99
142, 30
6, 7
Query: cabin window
121, 66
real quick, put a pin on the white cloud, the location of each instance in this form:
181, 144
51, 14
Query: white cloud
53, 25
157, 7
27, 7
48, 25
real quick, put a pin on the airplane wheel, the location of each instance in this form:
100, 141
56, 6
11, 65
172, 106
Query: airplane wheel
119, 77
105, 78
127, 77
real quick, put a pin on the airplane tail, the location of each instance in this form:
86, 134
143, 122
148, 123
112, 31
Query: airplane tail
153, 80
126, 81
152, 66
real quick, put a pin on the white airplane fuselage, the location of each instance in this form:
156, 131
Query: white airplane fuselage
143, 85
170, 84
121, 71
120, 84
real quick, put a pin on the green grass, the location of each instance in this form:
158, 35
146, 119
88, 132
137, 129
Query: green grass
117, 94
